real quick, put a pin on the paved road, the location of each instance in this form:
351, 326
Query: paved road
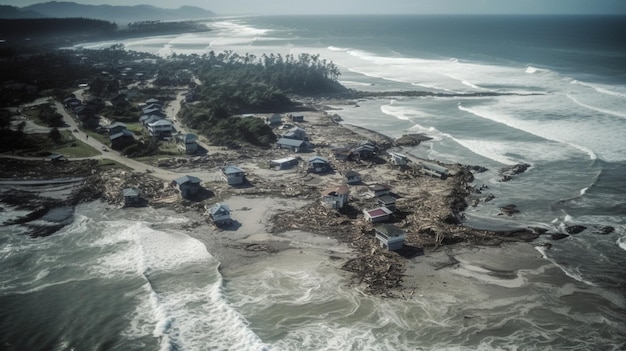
71, 124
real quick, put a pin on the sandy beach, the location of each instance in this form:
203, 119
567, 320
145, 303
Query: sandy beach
265, 230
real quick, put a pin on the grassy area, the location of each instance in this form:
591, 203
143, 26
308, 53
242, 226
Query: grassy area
69, 146
102, 138
134, 127
106, 164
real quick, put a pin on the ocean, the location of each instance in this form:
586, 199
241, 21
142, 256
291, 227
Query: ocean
128, 280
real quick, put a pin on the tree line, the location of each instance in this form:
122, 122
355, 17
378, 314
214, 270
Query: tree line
236, 84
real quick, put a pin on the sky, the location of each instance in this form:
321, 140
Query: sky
281, 7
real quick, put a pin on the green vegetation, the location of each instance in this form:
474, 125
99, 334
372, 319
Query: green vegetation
235, 84
232, 84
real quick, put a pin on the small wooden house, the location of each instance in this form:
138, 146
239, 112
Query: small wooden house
187, 185
365, 150
387, 201
115, 128
187, 143
319, 164
294, 145
390, 236
352, 177
273, 119
283, 163
122, 139
336, 197
377, 190
342, 153
296, 133
379, 214
132, 197
220, 214
233, 175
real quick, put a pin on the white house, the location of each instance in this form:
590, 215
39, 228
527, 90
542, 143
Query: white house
335, 197
161, 128
233, 175
390, 236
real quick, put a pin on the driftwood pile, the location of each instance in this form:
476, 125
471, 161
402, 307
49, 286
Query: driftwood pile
108, 186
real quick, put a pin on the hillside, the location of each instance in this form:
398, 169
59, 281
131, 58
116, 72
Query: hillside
117, 14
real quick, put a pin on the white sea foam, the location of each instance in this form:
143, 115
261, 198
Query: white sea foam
597, 109
566, 132
603, 89
531, 70
621, 242
335, 48
570, 271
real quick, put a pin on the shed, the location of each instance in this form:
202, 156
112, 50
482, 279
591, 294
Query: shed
188, 185
220, 214
283, 163
379, 214
390, 236
335, 197
233, 175
132, 196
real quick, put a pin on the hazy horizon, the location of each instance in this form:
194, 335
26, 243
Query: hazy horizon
296, 7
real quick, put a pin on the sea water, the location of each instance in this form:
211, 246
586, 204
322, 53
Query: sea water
126, 280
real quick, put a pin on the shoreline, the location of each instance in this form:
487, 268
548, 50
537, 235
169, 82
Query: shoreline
276, 207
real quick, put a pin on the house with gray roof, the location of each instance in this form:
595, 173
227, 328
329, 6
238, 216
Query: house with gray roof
319, 164
187, 185
390, 237
219, 214
233, 175
294, 145
132, 197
